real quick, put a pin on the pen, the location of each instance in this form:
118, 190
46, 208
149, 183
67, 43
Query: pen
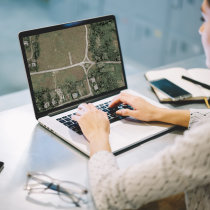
201, 84
196, 82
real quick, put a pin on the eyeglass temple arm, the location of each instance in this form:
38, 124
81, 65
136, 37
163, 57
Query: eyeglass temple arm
52, 186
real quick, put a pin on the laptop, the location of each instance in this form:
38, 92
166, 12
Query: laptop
81, 62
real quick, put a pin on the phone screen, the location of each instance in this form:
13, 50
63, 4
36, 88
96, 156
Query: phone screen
169, 88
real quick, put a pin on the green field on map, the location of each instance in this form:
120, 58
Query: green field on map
73, 64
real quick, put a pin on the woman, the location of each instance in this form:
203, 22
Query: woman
185, 166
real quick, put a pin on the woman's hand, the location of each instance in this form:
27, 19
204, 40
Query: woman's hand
95, 126
147, 112
142, 109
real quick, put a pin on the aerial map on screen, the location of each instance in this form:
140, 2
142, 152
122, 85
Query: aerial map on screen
73, 64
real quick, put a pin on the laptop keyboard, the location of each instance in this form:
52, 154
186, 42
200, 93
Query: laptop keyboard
112, 116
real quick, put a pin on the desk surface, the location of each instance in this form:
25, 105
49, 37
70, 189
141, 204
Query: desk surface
26, 146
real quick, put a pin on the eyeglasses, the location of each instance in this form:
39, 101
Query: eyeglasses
68, 191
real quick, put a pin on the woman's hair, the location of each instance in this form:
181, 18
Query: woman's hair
208, 2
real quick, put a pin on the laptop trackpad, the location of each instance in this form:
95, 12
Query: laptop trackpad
130, 128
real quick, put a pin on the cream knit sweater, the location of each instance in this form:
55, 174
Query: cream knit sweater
184, 166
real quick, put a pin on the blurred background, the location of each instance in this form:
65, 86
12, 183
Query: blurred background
152, 32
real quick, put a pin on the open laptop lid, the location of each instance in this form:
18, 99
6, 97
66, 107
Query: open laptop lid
72, 63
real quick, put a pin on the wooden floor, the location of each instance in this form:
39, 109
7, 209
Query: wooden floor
176, 202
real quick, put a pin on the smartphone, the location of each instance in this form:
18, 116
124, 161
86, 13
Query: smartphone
170, 89
1, 166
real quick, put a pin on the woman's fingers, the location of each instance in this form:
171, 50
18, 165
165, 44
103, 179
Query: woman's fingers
92, 107
80, 106
122, 98
75, 117
117, 100
126, 112
86, 107
113, 99
80, 112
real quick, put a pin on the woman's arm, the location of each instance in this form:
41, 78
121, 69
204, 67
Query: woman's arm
185, 118
181, 167
172, 116
148, 112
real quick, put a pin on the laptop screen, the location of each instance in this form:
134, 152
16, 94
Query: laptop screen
73, 64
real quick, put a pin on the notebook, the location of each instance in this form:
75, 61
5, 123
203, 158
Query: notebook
175, 76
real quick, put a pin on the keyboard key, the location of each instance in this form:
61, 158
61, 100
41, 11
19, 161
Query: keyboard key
80, 132
73, 127
114, 114
61, 120
129, 107
111, 111
69, 126
68, 123
113, 120
67, 119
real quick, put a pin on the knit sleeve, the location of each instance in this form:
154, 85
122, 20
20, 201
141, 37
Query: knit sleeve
197, 115
178, 168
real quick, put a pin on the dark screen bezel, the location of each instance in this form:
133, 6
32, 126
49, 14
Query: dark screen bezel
60, 27
163, 80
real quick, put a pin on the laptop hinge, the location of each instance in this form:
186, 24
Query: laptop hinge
87, 101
